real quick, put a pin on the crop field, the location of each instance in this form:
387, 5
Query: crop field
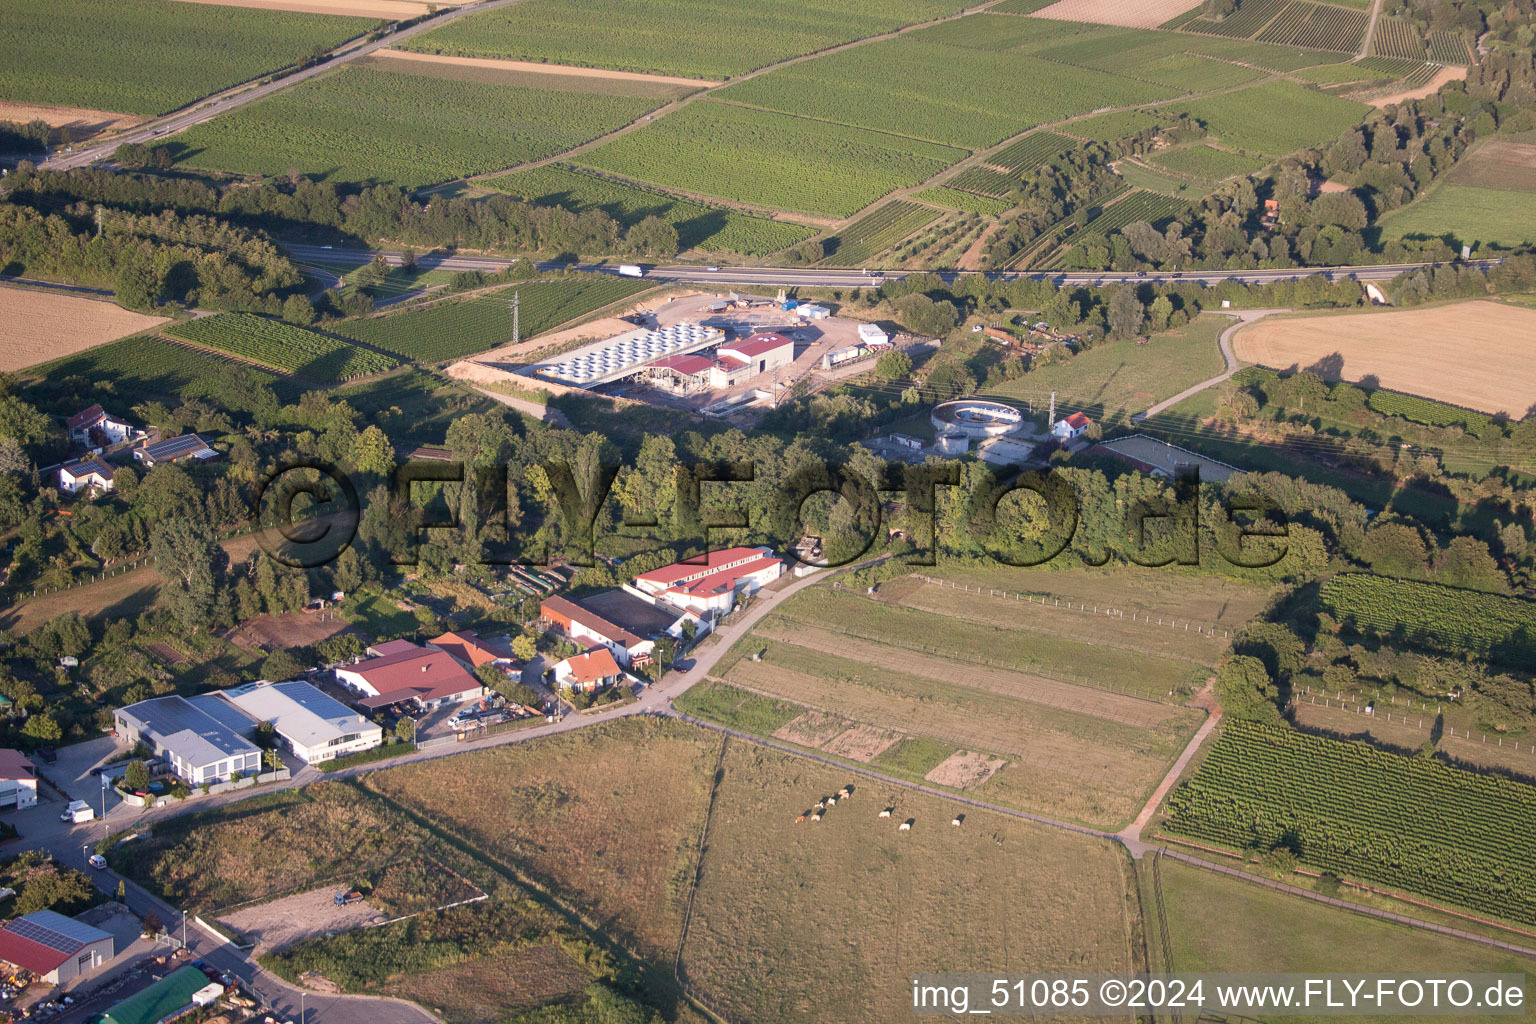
876, 232
164, 54
1501, 629
1120, 124
1360, 812
609, 815
673, 37
1206, 163
1465, 214
956, 199
770, 159
960, 97
284, 347
710, 228
984, 181
1413, 351
47, 325
1116, 379
1211, 928
149, 368
456, 328
1397, 38
836, 915
1498, 164
1317, 26
1274, 118
366, 125
1031, 152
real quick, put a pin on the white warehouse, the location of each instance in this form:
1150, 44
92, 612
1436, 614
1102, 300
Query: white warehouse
313, 726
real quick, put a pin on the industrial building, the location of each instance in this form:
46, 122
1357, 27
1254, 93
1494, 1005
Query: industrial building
54, 947
873, 336
313, 726
200, 742
710, 585
607, 361
417, 676
733, 363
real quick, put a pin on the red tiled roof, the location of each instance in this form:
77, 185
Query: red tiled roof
1077, 420
758, 345
730, 363
86, 416
465, 646
711, 562
14, 765
592, 666
421, 673
576, 613
722, 580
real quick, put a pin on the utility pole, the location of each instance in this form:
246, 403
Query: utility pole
516, 326
183, 928
1052, 418
98, 220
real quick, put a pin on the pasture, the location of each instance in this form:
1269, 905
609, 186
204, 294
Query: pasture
1418, 351
828, 920
1465, 215
708, 228
712, 39
370, 125
1499, 164
770, 159
163, 54
43, 325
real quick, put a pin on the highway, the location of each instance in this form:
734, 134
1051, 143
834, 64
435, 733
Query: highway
815, 277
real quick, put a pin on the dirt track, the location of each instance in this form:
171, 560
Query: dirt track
1429, 88
283, 922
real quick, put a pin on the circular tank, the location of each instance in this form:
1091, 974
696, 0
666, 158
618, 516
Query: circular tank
976, 418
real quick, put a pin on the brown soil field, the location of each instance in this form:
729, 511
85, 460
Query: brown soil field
1032, 688
1499, 163
492, 987
42, 325
390, 10
1130, 13
165, 653
537, 68
862, 743
1478, 355
291, 629
811, 729
1450, 73
828, 922
1407, 736
965, 769
82, 122
279, 924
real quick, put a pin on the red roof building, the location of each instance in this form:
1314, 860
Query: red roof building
1071, 426
54, 947
711, 584
581, 624
425, 677
588, 673
466, 647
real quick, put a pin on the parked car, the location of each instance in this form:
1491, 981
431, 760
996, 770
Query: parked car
98, 861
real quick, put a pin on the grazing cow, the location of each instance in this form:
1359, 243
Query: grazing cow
887, 812
816, 816
905, 826
799, 818
831, 801
958, 819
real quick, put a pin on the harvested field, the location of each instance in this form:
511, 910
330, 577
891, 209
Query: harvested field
165, 654
1500, 164
1130, 13
537, 68
389, 10
827, 922
290, 629
1420, 352
489, 988
279, 924
1408, 735
862, 743
42, 325
82, 122
965, 769
811, 729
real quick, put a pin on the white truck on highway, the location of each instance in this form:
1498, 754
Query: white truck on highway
631, 270
77, 811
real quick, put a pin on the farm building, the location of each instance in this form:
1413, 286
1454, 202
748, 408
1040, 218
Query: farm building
588, 673
1159, 458
466, 648
583, 624
175, 449
1069, 428
873, 336
94, 427
710, 585
421, 677
641, 615
313, 726
90, 475
165, 998
18, 780
54, 947
200, 743
623, 356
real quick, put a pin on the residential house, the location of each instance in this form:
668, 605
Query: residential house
91, 475
54, 947
582, 624
1070, 427
422, 677
588, 673
175, 449
18, 780
710, 585
201, 741
314, 726
93, 427
466, 648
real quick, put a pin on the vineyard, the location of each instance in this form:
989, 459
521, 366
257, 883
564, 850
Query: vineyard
363, 124
963, 97
1031, 152
148, 368
1429, 413
1163, 59
1148, 206
1458, 622
1357, 811
1448, 48
1248, 20
984, 181
1121, 124
710, 228
876, 232
770, 159
955, 199
1276, 117
163, 56
1204, 162
282, 346
1317, 26
1397, 38
460, 327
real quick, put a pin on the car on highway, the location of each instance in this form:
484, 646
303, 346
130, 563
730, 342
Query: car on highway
97, 861
713, 270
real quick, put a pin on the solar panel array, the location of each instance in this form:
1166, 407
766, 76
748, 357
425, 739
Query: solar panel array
599, 364
46, 936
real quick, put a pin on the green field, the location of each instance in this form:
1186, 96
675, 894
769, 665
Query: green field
1153, 180
284, 347
366, 125
693, 38
710, 228
1409, 823
147, 368
1120, 124
1205, 162
1118, 378
149, 56
1467, 214
876, 232
1274, 118
955, 96
458, 327
955, 199
1492, 626
770, 159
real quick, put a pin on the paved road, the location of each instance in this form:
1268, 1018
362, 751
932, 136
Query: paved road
1244, 318
231, 99
790, 277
